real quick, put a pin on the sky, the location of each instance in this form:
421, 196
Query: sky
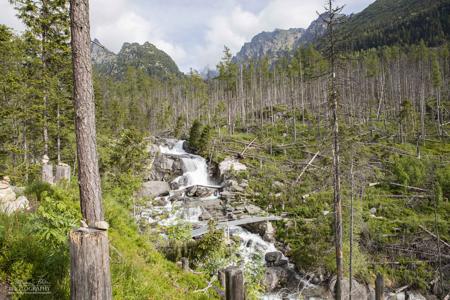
193, 32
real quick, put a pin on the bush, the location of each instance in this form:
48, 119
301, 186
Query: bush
408, 170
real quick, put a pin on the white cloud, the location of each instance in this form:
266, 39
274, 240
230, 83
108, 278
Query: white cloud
235, 28
116, 22
193, 32
8, 16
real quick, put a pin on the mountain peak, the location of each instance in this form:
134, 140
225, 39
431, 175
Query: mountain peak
146, 57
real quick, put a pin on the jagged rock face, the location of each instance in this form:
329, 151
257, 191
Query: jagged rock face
146, 57
270, 44
278, 43
101, 55
316, 29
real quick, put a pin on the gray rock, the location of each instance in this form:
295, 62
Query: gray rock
269, 232
191, 191
273, 258
203, 192
205, 216
373, 210
359, 291
231, 164
151, 189
102, 225
174, 185
275, 277
20, 203
158, 202
6, 193
252, 209
227, 195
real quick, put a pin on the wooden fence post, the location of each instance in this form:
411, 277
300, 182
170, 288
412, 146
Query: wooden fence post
379, 287
234, 284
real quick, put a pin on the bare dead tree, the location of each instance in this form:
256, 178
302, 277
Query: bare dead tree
331, 18
350, 271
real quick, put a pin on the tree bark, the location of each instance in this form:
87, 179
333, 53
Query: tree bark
234, 282
88, 171
90, 274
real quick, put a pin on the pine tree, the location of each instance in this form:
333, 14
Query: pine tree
195, 135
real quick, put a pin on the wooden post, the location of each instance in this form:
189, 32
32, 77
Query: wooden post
234, 284
89, 267
379, 287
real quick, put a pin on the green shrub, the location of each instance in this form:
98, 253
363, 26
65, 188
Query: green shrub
408, 170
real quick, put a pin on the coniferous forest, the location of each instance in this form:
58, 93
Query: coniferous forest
340, 146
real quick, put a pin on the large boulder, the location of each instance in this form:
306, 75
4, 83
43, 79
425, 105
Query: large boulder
359, 291
275, 277
20, 203
231, 164
165, 167
7, 193
272, 258
152, 189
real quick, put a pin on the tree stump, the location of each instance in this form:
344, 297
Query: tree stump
379, 287
47, 173
221, 277
62, 172
89, 272
185, 264
234, 284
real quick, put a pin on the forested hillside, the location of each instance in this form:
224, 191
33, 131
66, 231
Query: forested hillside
391, 22
265, 133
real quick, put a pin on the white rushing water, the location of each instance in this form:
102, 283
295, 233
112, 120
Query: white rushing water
252, 248
195, 167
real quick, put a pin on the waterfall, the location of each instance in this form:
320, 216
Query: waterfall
252, 248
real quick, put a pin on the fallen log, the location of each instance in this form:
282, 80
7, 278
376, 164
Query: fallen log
408, 187
433, 235
306, 167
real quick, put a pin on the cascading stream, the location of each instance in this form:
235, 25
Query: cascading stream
252, 248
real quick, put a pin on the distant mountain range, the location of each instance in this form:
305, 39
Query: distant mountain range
384, 22
147, 57
278, 43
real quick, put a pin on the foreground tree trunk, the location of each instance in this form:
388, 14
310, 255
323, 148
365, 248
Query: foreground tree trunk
89, 250
88, 171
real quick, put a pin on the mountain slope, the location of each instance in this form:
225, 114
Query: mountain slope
278, 43
389, 22
146, 57
271, 44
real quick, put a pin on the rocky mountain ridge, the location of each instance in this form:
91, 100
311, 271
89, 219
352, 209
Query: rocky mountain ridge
146, 57
279, 42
